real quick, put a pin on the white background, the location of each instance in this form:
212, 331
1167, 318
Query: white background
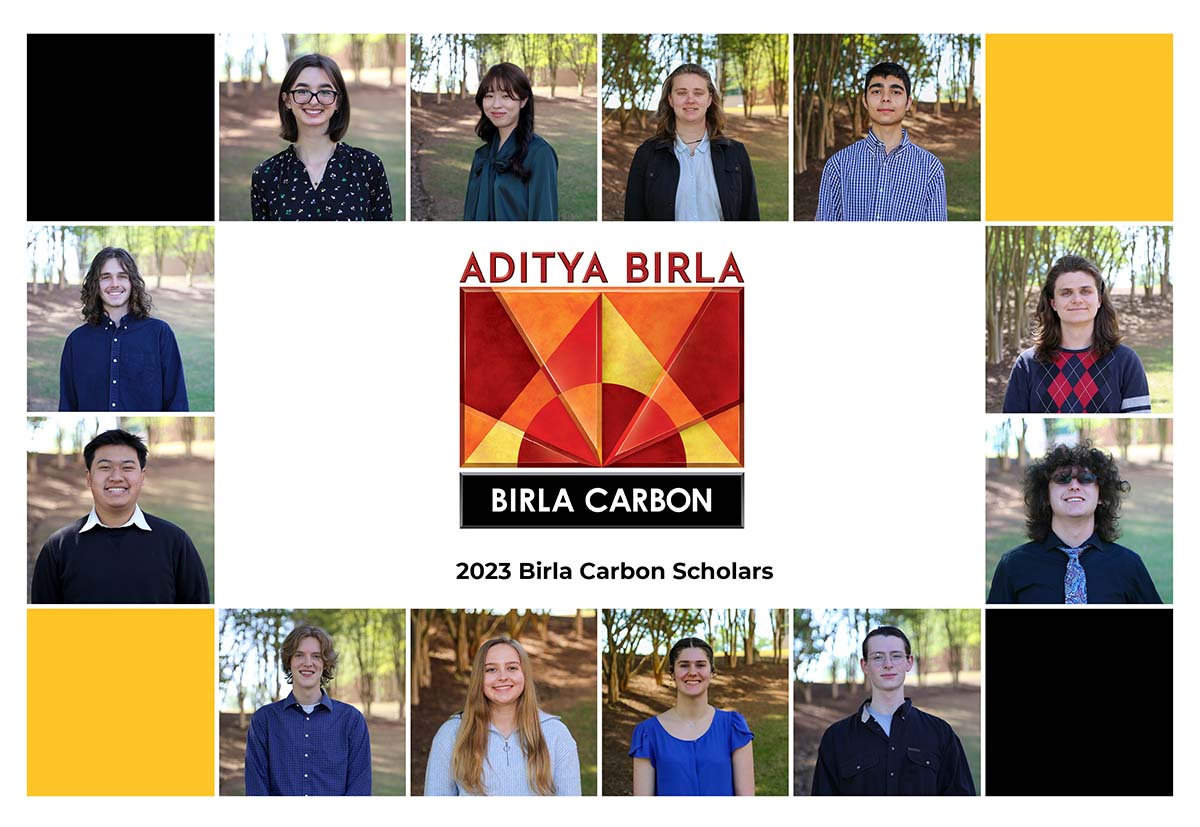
337, 401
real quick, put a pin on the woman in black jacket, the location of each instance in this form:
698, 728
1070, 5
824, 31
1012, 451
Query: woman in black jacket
689, 171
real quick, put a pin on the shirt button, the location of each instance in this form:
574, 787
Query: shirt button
306, 735
114, 405
306, 755
890, 773
114, 381
306, 775
893, 749
114, 361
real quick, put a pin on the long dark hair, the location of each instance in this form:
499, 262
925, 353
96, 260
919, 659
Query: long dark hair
714, 117
1106, 334
508, 77
93, 300
339, 121
1038, 513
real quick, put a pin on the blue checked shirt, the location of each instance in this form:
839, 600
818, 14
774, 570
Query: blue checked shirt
864, 183
293, 752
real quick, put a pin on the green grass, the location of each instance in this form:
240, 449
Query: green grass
197, 522
771, 754
44, 355
971, 745
1159, 362
581, 721
962, 188
768, 150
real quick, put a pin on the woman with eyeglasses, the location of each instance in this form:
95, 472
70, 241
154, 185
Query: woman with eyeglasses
318, 177
514, 175
502, 743
1077, 363
693, 748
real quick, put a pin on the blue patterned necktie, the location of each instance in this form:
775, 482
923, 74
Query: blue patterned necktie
1075, 583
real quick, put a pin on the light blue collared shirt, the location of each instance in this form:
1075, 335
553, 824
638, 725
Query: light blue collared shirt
138, 519
696, 197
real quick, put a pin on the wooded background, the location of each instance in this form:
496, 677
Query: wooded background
827, 83
1144, 449
370, 676
373, 67
1136, 263
830, 684
176, 263
750, 650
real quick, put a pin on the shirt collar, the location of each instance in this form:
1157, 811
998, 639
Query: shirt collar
1053, 543
876, 145
138, 519
864, 714
325, 701
680, 146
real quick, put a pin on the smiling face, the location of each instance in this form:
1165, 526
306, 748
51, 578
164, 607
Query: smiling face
306, 665
1070, 498
1076, 298
503, 677
115, 288
116, 479
690, 99
886, 101
313, 114
692, 672
886, 663
502, 107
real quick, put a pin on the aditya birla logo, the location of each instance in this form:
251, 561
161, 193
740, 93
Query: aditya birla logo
560, 377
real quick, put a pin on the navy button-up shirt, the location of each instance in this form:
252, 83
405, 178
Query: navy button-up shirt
293, 752
1034, 573
131, 366
865, 182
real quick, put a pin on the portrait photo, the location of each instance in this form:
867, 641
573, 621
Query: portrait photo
292, 146
1080, 510
887, 701
695, 702
504, 127
887, 127
503, 702
312, 701
1080, 319
120, 319
695, 127
120, 509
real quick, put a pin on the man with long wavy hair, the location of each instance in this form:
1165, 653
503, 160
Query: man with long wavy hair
1072, 516
308, 743
1077, 363
120, 359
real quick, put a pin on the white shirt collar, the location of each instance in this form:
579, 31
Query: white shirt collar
138, 519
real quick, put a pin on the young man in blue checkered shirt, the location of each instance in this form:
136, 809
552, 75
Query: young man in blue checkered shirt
884, 176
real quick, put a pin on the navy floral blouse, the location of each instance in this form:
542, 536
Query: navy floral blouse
354, 188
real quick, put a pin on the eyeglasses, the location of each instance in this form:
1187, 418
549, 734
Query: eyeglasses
324, 96
1065, 477
880, 658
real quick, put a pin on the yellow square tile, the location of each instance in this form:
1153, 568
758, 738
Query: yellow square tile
1078, 127
120, 701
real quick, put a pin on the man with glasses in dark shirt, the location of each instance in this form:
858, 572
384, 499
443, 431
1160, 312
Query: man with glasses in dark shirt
1072, 512
889, 747
308, 743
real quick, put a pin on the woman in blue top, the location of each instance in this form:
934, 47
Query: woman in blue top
692, 748
501, 743
514, 175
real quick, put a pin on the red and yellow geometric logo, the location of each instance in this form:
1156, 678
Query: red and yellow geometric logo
641, 377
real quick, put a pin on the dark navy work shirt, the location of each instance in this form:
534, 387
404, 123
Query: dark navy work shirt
293, 752
1034, 573
133, 366
921, 756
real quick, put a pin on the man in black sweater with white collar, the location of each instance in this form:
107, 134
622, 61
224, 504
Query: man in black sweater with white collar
118, 553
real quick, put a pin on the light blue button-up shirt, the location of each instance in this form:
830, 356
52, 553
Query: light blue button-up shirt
696, 197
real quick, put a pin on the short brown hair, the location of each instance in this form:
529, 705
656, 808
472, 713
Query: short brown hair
329, 655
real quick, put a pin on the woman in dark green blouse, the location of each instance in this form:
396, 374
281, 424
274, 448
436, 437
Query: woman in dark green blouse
514, 176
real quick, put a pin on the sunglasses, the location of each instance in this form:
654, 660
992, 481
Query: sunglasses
1065, 477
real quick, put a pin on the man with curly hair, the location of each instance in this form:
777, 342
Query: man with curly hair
120, 359
1072, 513
308, 743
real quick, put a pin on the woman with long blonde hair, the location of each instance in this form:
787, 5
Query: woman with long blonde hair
502, 743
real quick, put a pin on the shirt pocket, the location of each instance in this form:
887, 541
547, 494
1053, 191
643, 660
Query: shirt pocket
855, 773
921, 772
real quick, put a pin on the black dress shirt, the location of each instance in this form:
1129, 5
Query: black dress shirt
354, 188
1034, 573
922, 756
